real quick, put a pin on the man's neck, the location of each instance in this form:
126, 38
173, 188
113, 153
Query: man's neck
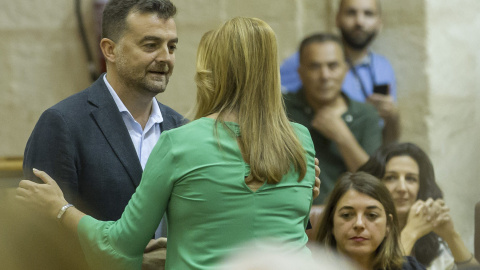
138, 104
355, 55
337, 104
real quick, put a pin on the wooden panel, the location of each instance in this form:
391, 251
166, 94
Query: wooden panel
11, 164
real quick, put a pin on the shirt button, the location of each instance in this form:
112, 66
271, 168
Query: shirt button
348, 118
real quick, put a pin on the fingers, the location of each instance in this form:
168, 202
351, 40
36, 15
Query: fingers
441, 219
317, 169
316, 188
21, 193
418, 206
44, 176
25, 184
156, 244
440, 202
429, 211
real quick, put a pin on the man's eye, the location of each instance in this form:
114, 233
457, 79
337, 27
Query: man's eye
150, 45
332, 66
173, 47
351, 13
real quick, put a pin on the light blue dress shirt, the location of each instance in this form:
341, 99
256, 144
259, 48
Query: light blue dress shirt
143, 139
374, 70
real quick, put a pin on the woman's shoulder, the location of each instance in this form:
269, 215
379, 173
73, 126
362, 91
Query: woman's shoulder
411, 263
190, 129
299, 128
302, 133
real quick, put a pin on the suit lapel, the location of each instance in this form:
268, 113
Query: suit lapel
167, 122
109, 120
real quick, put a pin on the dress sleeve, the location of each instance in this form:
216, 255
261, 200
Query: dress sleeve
306, 140
120, 244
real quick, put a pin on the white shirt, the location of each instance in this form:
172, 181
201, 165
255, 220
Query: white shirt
143, 139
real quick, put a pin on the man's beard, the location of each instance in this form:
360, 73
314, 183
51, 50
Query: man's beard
357, 43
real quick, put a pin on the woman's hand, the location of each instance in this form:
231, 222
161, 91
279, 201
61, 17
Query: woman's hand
418, 224
316, 187
42, 198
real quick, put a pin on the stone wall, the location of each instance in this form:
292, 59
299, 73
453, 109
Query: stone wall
452, 70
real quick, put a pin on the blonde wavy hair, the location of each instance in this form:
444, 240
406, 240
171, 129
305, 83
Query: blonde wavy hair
238, 73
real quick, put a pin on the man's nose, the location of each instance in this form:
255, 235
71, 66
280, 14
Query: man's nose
359, 19
163, 54
324, 73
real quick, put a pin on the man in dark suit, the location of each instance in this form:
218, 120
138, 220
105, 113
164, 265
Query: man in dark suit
96, 142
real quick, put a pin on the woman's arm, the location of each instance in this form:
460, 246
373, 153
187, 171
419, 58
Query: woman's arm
48, 199
119, 244
443, 227
417, 226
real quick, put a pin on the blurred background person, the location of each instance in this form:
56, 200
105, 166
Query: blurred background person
344, 132
427, 230
370, 77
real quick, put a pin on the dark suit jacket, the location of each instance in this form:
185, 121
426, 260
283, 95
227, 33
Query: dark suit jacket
83, 143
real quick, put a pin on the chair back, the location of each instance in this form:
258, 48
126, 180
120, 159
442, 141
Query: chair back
316, 213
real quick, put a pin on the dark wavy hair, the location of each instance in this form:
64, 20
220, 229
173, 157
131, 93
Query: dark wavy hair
426, 248
388, 254
114, 19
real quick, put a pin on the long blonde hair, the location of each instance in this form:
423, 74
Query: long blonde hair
238, 72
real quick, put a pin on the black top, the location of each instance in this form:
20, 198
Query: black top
412, 264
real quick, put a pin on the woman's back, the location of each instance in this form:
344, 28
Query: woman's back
211, 209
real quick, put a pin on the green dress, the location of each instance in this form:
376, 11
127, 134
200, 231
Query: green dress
197, 177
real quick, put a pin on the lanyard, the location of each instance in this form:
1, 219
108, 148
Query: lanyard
357, 76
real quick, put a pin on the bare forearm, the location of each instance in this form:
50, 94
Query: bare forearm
459, 251
391, 130
71, 218
408, 239
352, 152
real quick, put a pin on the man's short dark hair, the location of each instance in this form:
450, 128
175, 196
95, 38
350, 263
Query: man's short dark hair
379, 7
319, 38
116, 12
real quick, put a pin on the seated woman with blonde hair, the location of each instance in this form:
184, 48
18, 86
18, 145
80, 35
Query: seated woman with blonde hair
427, 230
360, 223
240, 171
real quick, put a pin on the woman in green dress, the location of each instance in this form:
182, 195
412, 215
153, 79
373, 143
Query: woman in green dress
239, 172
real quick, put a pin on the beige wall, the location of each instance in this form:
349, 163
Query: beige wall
453, 122
431, 44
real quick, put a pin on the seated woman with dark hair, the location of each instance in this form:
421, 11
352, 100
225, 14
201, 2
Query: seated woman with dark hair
360, 222
427, 230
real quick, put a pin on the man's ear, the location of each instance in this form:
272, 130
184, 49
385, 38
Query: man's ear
108, 49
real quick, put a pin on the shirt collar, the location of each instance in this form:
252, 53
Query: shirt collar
155, 115
365, 61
